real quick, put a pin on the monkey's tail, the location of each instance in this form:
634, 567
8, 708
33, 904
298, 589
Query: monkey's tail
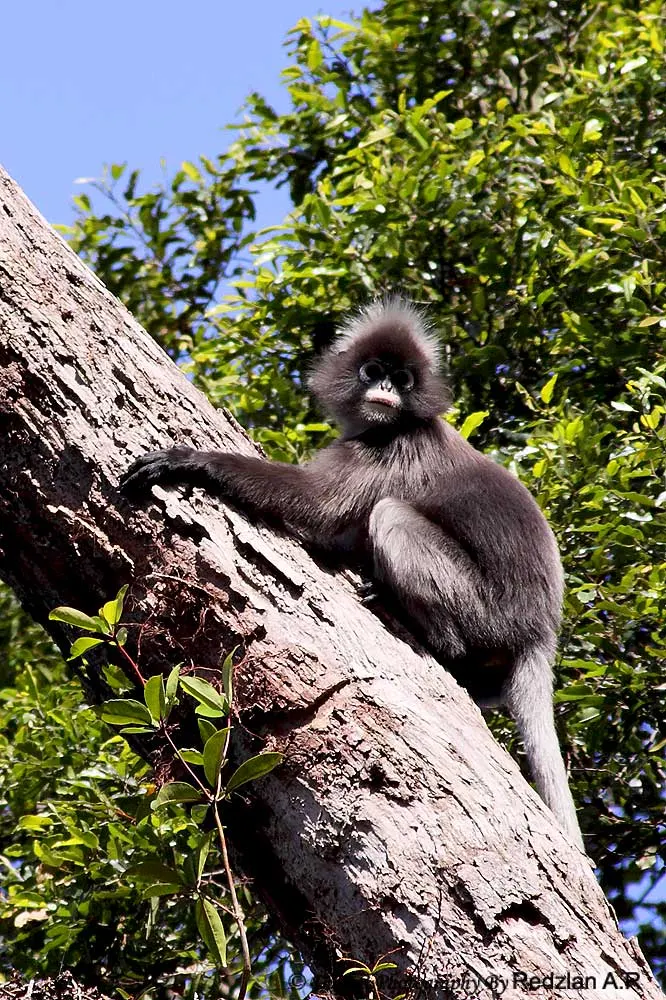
529, 698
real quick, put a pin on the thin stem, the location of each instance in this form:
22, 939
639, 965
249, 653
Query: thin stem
187, 767
132, 663
238, 913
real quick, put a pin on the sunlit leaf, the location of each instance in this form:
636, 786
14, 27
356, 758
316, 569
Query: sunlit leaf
252, 769
212, 931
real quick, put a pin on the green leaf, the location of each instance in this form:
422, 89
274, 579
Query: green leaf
116, 678
73, 617
632, 64
161, 889
566, 166
378, 135
462, 125
472, 422
155, 697
153, 871
176, 791
199, 813
82, 201
210, 713
202, 853
35, 822
124, 712
195, 862
192, 172
525, 396
112, 611
213, 755
172, 684
253, 768
78, 836
82, 645
204, 693
543, 297
618, 404
228, 677
477, 157
212, 931
314, 57
548, 389
206, 729
592, 129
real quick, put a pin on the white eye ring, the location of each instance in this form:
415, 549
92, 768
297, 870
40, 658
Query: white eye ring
403, 380
371, 371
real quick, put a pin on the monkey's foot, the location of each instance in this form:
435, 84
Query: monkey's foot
367, 590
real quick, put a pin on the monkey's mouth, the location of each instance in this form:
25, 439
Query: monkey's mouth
383, 397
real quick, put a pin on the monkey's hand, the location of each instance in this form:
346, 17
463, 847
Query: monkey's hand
172, 466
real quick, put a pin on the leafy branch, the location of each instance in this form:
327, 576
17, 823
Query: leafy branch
206, 766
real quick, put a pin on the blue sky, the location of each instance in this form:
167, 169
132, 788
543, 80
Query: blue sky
87, 84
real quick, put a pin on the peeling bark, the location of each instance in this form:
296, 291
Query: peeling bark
63, 987
396, 822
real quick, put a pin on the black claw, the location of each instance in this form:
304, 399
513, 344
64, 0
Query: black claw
367, 590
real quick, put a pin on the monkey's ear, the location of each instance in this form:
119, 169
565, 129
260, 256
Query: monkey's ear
323, 334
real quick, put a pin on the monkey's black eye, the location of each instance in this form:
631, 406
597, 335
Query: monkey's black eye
403, 380
371, 371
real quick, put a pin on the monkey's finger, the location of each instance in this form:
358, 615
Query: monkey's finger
144, 472
367, 591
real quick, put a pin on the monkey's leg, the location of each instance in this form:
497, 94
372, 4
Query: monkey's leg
432, 576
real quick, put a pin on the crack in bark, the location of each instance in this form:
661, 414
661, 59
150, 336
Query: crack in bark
283, 721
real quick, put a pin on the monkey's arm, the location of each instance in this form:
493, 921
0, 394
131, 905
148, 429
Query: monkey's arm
287, 494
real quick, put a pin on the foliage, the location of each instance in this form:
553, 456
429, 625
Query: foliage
102, 873
503, 164
206, 792
600, 476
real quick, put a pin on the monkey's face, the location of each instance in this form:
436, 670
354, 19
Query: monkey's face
384, 390
382, 377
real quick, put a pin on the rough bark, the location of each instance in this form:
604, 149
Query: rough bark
64, 987
396, 822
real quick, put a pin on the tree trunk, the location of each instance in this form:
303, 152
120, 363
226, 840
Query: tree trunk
395, 821
63, 986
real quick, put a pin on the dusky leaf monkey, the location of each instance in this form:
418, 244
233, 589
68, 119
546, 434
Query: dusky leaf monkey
457, 540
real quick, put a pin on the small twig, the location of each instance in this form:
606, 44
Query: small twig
187, 767
132, 663
238, 913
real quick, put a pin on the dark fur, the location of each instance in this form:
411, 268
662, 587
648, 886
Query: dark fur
457, 540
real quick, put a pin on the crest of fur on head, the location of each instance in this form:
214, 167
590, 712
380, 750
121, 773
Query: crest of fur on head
395, 333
